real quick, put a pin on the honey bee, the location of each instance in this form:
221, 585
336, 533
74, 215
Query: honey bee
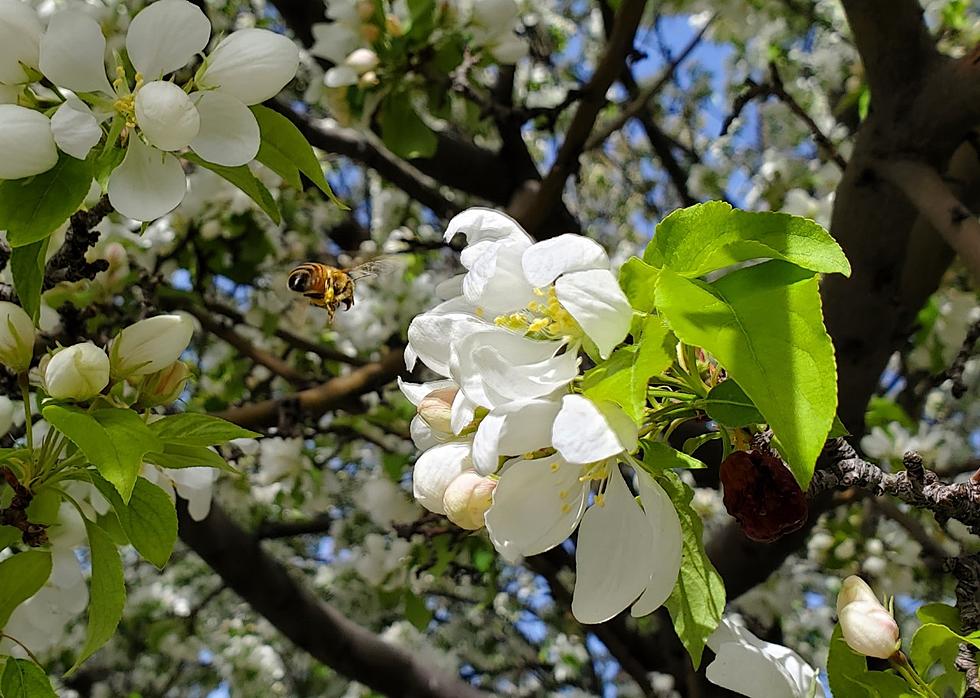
328, 287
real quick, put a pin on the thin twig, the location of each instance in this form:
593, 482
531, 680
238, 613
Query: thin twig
68, 263
955, 370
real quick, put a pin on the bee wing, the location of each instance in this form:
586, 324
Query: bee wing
373, 267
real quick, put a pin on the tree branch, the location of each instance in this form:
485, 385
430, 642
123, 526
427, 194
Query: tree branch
923, 186
593, 97
312, 625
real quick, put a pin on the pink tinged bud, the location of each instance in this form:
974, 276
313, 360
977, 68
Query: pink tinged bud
78, 372
16, 337
165, 386
467, 500
868, 627
436, 409
365, 10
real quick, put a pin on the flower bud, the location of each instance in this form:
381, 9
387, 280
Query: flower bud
369, 79
26, 142
370, 33
467, 500
6, 414
867, 626
362, 60
251, 64
166, 115
436, 409
435, 470
78, 372
16, 337
164, 386
365, 10
150, 345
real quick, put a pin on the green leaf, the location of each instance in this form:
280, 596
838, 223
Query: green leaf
933, 643
149, 519
885, 685
764, 325
940, 613
624, 376
843, 666
698, 599
658, 456
113, 440
285, 151
181, 456
31, 208
27, 269
23, 678
705, 237
415, 611
882, 411
20, 577
196, 429
242, 178
729, 405
107, 592
639, 281
403, 130
837, 429
8, 536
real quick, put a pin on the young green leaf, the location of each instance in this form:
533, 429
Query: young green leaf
8, 536
416, 612
31, 208
710, 236
638, 281
27, 270
149, 519
20, 577
658, 456
624, 376
698, 600
935, 643
196, 429
843, 666
729, 405
403, 130
182, 456
23, 678
285, 151
764, 325
113, 440
242, 178
940, 613
107, 592
885, 685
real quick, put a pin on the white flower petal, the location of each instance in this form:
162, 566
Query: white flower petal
229, 133
416, 392
73, 53
446, 289
613, 555
333, 41
545, 261
598, 305
529, 514
26, 142
667, 543
166, 115
462, 413
8, 95
509, 48
480, 223
148, 184
585, 432
340, 76
495, 281
435, 469
20, 34
411, 356
512, 430
165, 35
252, 65
423, 436
431, 334
756, 668
494, 366
75, 128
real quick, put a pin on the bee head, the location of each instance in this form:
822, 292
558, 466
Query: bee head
299, 281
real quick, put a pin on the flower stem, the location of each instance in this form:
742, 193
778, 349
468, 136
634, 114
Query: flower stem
25, 394
902, 665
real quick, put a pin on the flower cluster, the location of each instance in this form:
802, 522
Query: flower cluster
508, 441
156, 117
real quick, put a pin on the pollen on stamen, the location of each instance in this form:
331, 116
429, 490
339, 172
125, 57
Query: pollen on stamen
566, 508
563, 494
600, 500
479, 311
554, 467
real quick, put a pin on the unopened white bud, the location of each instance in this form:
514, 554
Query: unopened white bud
868, 627
362, 60
150, 345
436, 409
78, 372
16, 337
467, 500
